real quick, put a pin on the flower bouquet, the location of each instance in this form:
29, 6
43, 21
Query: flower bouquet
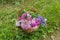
29, 20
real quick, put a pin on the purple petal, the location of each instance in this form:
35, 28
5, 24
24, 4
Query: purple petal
42, 20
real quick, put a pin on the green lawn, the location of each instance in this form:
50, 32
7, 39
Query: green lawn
47, 8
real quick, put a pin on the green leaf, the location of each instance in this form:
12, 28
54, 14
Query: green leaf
50, 30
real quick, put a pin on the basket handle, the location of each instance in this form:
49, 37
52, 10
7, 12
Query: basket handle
31, 8
20, 12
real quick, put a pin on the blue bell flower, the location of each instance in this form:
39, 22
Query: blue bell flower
42, 20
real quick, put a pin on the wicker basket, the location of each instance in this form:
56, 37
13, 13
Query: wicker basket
20, 11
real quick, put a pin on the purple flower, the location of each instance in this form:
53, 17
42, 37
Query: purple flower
28, 22
23, 26
28, 12
35, 22
42, 20
23, 16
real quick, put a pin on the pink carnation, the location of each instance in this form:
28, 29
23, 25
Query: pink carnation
29, 22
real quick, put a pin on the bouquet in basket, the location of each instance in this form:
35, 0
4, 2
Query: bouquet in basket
30, 21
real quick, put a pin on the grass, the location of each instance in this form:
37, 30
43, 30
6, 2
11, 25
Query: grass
47, 8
